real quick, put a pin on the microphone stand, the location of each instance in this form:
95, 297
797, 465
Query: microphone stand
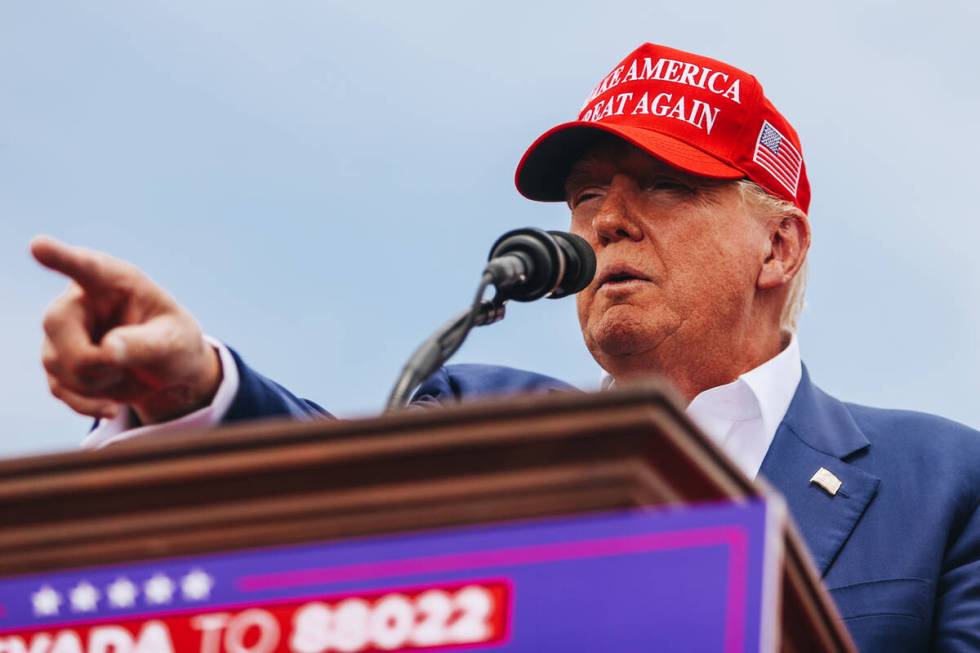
445, 342
524, 265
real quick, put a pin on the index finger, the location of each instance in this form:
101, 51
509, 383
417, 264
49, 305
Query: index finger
91, 270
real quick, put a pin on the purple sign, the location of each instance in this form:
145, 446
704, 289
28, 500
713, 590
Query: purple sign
692, 579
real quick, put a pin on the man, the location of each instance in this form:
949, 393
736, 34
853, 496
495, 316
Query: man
692, 190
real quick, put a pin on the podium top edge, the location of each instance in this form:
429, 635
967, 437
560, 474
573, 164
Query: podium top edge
258, 434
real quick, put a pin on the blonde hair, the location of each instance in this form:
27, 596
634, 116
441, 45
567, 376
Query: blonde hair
776, 207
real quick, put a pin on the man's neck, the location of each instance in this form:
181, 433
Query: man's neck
697, 369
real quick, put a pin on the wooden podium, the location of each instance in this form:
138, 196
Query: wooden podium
545, 459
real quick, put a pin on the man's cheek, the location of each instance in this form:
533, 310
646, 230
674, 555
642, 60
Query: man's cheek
580, 227
583, 304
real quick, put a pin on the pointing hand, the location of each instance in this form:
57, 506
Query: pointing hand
115, 337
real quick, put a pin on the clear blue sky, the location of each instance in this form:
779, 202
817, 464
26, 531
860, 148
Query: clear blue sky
319, 182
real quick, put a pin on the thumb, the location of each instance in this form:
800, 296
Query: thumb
140, 345
170, 368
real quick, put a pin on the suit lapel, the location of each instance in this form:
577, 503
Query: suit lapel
818, 431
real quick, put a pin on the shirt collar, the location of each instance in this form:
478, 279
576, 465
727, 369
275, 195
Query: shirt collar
765, 391
774, 383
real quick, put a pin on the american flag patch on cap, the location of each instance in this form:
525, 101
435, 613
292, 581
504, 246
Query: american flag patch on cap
778, 156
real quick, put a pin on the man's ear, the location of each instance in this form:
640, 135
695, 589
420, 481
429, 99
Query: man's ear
789, 240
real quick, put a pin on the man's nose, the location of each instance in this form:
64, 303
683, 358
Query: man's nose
615, 219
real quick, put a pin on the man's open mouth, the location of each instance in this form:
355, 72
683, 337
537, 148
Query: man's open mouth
619, 275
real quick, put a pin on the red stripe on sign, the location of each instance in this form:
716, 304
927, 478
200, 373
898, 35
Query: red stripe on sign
420, 618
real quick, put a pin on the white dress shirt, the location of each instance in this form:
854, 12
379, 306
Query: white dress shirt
741, 417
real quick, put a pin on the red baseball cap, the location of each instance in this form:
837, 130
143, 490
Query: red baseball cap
697, 114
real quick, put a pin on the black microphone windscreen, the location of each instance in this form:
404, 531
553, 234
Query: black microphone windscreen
544, 256
580, 264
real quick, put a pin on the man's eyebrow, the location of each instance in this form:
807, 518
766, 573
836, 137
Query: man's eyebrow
581, 172
574, 178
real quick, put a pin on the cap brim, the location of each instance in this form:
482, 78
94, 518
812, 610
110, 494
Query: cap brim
544, 167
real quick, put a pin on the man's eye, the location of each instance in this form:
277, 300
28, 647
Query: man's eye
585, 196
667, 184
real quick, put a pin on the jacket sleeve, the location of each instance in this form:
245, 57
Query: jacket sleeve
956, 626
259, 397
454, 383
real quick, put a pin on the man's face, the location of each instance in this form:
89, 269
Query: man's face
678, 260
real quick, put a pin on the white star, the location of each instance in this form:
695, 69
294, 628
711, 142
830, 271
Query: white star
122, 593
84, 597
158, 589
196, 585
46, 601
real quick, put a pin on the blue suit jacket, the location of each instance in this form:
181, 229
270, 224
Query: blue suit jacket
898, 545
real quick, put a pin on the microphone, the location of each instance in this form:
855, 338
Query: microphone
524, 265
528, 264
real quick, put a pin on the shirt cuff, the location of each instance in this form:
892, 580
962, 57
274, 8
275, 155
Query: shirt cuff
121, 427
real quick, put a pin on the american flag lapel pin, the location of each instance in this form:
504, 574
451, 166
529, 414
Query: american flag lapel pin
826, 479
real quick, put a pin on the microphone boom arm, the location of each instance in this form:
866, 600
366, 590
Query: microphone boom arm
524, 265
445, 342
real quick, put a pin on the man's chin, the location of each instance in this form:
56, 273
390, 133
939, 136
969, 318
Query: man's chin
625, 331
